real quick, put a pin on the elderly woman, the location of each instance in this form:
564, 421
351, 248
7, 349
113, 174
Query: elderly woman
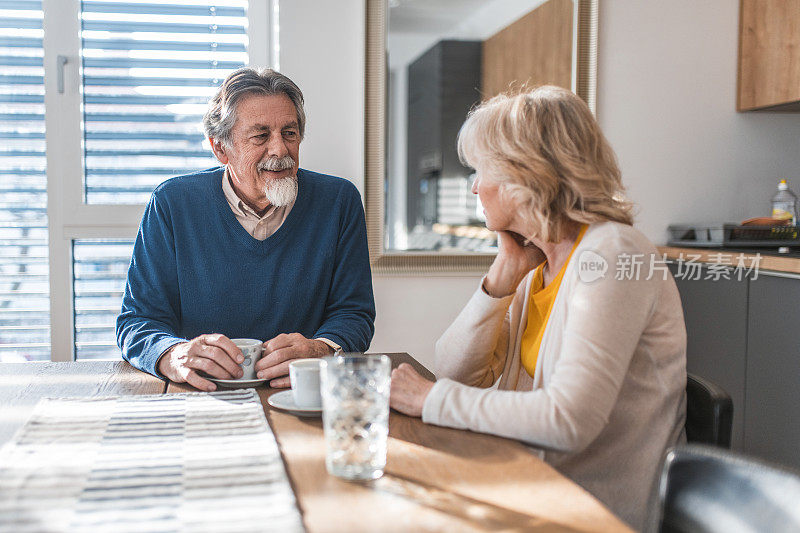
575, 341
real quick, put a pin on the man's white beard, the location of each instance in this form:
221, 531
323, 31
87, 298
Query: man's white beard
281, 191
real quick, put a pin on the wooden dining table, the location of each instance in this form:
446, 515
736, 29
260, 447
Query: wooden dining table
436, 478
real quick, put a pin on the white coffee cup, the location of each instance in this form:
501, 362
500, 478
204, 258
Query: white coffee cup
252, 349
304, 376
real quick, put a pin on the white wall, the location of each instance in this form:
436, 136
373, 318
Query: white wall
666, 100
413, 311
667, 103
322, 50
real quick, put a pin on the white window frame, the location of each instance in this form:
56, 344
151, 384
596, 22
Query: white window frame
69, 217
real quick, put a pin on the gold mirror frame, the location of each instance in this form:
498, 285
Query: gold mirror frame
375, 144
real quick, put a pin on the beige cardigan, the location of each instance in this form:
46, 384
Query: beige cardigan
608, 394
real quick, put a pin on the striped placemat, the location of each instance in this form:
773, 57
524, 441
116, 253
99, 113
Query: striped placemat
161, 463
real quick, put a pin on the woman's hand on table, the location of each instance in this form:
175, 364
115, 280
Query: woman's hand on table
514, 260
409, 390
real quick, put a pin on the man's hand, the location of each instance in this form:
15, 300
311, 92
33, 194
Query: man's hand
513, 262
409, 390
216, 355
279, 352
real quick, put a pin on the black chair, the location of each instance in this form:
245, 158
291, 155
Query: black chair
705, 489
709, 413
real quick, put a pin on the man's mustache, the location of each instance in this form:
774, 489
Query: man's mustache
275, 164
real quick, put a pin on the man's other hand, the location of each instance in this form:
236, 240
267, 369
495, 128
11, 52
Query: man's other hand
215, 355
280, 351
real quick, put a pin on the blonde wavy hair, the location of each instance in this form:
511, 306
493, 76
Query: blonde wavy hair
550, 157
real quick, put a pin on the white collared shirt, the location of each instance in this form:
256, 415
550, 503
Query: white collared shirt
260, 227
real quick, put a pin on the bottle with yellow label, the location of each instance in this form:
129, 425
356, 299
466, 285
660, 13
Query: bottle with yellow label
784, 203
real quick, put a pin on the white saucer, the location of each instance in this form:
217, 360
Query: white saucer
237, 383
285, 402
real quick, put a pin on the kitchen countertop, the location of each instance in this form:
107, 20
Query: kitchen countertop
770, 259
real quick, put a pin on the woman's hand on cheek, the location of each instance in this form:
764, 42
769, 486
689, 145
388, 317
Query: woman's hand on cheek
409, 390
514, 260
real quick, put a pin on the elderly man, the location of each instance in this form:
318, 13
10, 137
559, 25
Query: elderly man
257, 248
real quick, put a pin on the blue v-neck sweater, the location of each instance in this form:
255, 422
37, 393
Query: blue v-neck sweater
196, 270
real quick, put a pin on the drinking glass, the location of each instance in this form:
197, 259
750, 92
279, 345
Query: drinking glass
355, 414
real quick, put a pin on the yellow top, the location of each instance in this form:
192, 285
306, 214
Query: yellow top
539, 305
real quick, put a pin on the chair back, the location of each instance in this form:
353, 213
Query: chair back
705, 489
709, 413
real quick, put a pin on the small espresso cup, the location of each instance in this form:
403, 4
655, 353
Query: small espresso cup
252, 349
304, 376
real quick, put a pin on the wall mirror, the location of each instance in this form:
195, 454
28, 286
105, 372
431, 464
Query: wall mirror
427, 63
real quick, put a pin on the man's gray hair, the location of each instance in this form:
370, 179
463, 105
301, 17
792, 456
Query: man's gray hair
221, 115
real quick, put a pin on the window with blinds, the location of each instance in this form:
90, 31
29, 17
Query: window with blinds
99, 269
24, 289
149, 69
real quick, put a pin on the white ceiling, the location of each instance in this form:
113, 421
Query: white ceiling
425, 16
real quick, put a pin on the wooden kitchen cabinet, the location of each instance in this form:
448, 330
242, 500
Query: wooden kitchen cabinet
769, 55
542, 45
